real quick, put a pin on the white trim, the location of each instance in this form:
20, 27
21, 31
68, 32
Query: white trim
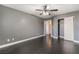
76, 41
70, 40
9, 44
65, 39
73, 41
61, 36
54, 36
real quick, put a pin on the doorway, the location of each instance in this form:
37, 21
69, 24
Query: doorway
60, 28
47, 27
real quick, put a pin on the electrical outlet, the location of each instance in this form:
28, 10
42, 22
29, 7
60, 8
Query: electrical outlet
13, 39
8, 40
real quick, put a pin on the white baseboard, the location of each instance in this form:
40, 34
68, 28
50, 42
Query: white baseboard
70, 40
61, 37
65, 39
13, 43
76, 41
9, 44
54, 37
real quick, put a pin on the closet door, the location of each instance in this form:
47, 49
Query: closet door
68, 28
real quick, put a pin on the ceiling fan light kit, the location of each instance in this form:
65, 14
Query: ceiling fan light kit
45, 13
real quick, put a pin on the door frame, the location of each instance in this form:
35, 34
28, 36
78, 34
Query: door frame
59, 27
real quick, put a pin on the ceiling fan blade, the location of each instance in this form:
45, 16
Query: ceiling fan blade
54, 10
41, 13
39, 10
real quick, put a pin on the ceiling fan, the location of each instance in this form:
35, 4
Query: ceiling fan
46, 11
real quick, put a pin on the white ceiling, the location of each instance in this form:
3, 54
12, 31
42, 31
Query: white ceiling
30, 8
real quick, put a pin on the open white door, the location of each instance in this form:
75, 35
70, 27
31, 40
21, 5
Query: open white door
47, 27
68, 28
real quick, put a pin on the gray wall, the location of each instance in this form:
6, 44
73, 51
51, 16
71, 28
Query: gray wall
76, 23
18, 24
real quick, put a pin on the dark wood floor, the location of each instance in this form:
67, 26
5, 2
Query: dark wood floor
43, 45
